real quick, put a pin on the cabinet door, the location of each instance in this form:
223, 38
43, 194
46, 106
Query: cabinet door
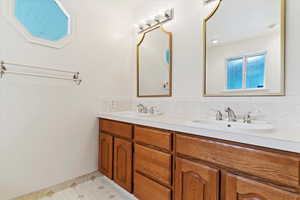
239, 188
194, 181
106, 155
123, 163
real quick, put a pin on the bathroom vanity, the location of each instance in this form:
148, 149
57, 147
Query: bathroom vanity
163, 164
160, 158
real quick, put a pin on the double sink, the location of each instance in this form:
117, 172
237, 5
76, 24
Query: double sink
255, 126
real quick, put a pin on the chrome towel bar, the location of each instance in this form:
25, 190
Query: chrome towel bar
75, 75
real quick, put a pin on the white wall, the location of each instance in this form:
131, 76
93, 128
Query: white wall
217, 56
48, 128
187, 98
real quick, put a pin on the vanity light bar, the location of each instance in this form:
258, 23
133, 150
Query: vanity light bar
168, 15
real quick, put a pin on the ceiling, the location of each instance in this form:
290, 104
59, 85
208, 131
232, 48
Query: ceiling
237, 20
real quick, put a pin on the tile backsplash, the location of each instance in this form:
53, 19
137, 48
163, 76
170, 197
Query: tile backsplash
281, 109
114, 104
273, 109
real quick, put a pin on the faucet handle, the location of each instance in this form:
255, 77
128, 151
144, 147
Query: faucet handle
154, 110
219, 116
140, 108
247, 118
228, 109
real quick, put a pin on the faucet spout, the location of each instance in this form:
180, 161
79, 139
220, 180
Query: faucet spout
231, 115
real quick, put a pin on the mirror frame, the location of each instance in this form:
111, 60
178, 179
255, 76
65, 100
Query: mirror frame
283, 52
170, 34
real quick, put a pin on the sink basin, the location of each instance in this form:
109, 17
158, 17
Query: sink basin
255, 126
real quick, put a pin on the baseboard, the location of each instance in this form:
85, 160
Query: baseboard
59, 187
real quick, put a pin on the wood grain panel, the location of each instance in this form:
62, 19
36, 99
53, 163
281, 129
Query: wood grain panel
194, 181
235, 187
106, 155
280, 168
156, 164
123, 163
116, 128
154, 137
146, 189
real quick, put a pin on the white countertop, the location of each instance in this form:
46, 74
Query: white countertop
179, 124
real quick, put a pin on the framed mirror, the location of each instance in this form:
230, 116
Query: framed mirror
154, 63
244, 48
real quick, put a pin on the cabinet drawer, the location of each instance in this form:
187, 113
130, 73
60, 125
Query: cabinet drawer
236, 187
279, 167
116, 128
146, 189
156, 164
154, 137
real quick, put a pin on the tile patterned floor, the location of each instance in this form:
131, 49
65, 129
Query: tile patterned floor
100, 188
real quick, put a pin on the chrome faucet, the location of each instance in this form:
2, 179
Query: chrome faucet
142, 109
231, 115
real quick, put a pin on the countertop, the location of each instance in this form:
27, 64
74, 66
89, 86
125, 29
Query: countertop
175, 123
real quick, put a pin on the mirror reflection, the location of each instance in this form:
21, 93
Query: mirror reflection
244, 50
154, 62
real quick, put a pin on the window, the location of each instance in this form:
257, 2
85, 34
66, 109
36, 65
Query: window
43, 18
246, 72
43, 22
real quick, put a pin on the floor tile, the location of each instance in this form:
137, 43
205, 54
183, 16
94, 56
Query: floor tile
100, 188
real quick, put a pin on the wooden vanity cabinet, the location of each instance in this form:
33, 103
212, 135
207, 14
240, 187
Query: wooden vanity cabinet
164, 165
